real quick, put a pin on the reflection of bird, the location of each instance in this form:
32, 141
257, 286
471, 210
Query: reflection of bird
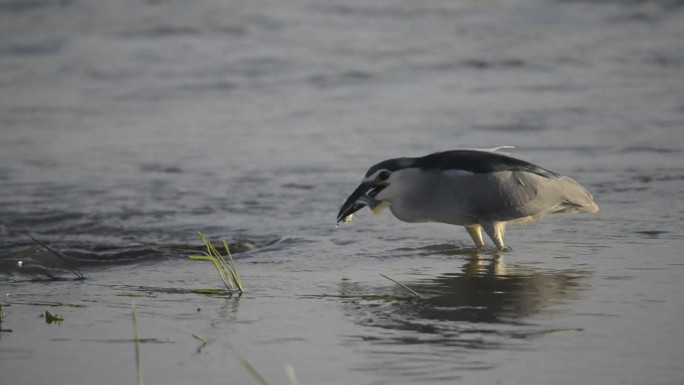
486, 293
477, 266
471, 188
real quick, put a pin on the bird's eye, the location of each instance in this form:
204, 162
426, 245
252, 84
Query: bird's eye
384, 175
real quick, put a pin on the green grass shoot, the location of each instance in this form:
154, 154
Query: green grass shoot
226, 268
59, 255
248, 365
52, 318
2, 317
136, 340
291, 374
202, 341
413, 292
289, 370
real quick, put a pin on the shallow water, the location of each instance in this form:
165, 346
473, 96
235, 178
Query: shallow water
125, 127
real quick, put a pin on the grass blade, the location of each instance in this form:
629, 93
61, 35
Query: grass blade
248, 365
226, 269
59, 255
136, 337
291, 374
202, 341
413, 292
232, 269
219, 262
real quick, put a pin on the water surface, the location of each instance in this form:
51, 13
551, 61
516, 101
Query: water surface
126, 127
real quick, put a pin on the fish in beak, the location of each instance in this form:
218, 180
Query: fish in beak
363, 196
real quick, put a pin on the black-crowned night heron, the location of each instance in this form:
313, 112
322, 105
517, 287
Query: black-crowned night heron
477, 189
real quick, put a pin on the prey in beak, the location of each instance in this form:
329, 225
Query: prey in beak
363, 196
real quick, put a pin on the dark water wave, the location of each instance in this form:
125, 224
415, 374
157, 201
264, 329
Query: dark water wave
127, 126
46, 262
20, 6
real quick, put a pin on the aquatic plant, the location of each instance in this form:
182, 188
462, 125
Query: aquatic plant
60, 255
202, 341
413, 292
136, 340
225, 267
291, 374
255, 373
2, 316
248, 365
52, 318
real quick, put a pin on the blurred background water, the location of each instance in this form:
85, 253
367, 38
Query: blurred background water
126, 126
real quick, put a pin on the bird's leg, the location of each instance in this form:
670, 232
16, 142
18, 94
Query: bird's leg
495, 230
476, 233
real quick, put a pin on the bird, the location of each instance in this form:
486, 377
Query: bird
477, 189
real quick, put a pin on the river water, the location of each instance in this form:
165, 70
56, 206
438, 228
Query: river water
127, 126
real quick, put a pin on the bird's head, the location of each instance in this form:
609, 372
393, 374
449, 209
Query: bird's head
375, 190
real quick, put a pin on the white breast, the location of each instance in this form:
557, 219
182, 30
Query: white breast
434, 196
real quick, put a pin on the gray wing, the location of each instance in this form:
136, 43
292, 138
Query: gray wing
479, 162
511, 195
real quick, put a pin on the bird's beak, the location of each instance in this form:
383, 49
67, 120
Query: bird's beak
363, 196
